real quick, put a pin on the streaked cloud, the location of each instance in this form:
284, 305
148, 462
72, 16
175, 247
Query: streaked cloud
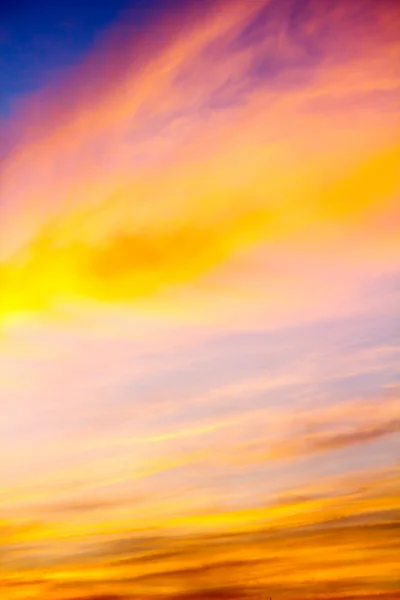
199, 332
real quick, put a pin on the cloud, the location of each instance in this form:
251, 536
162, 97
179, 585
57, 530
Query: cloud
192, 565
267, 435
86, 223
344, 524
327, 442
180, 216
322, 430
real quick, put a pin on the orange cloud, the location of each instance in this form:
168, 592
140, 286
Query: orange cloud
331, 530
176, 193
235, 163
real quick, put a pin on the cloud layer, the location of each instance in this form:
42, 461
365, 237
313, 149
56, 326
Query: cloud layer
199, 327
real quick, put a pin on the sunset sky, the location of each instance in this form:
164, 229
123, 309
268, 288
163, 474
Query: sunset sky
199, 300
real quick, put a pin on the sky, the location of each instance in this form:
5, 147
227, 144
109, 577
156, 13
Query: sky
199, 292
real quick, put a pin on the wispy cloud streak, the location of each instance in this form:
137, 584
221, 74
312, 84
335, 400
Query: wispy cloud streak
199, 327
